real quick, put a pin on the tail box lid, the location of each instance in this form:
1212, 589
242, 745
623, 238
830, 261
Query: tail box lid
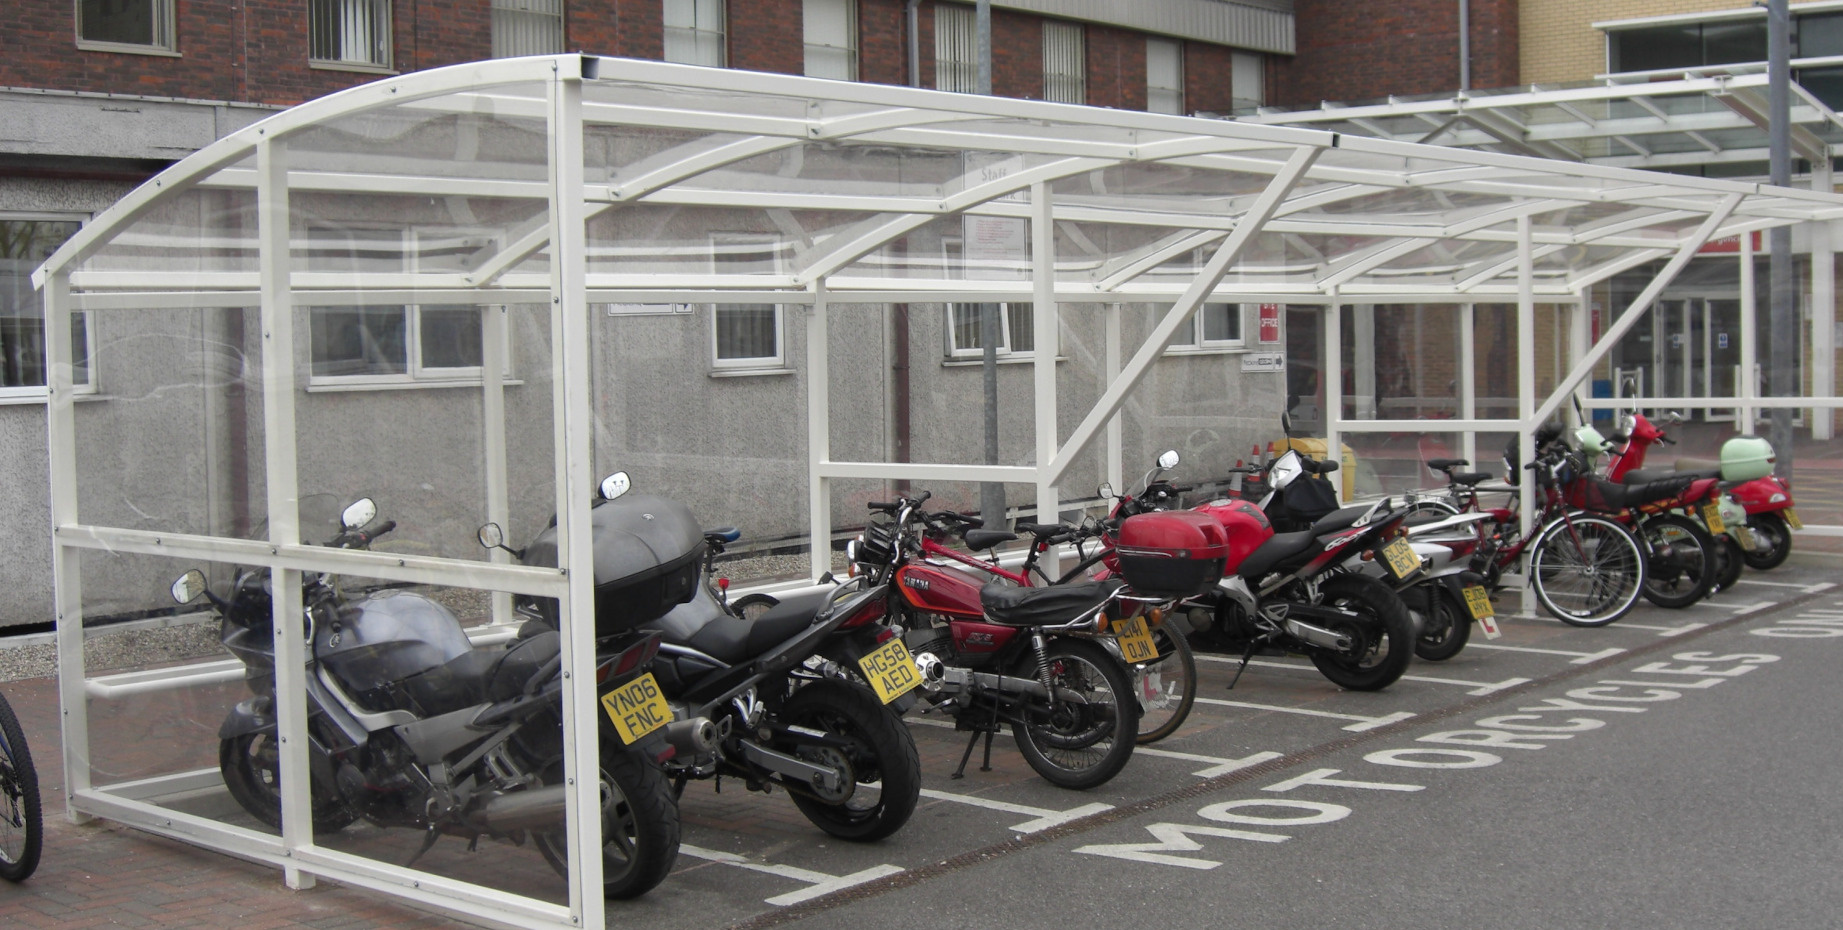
1179, 534
1745, 458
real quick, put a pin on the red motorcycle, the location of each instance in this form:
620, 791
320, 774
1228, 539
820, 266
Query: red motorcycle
1746, 466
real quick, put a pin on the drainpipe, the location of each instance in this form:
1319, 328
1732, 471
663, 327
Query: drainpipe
1465, 45
901, 427
914, 19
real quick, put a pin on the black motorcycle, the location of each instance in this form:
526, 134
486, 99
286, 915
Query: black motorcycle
409, 725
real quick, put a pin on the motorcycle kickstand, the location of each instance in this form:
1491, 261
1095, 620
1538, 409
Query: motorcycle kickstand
1246, 656
960, 772
986, 766
428, 842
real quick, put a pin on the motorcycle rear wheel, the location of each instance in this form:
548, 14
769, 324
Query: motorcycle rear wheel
1166, 687
1772, 541
1684, 573
22, 824
1384, 636
1079, 742
882, 758
640, 826
251, 767
1586, 570
1447, 629
1729, 563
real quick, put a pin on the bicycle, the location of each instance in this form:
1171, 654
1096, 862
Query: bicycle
22, 826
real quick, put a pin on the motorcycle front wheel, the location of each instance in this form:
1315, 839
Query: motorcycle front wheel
639, 823
1447, 629
1382, 635
1772, 541
1586, 570
252, 771
1682, 569
880, 757
1084, 733
1166, 686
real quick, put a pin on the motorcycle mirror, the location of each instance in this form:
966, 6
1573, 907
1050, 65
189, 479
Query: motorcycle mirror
189, 586
1168, 459
615, 485
363, 511
1105, 491
491, 536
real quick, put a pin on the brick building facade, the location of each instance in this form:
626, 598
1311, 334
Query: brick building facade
1364, 51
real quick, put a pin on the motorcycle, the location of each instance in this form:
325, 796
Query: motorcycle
804, 696
1757, 507
1295, 591
409, 725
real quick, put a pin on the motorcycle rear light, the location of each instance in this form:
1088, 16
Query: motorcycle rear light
885, 635
1369, 555
870, 611
635, 657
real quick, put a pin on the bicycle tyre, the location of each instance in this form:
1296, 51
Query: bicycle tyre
1586, 570
1173, 675
22, 823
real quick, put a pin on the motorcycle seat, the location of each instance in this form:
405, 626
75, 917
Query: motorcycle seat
1664, 489
1047, 606
1444, 464
732, 640
1339, 519
978, 540
1278, 548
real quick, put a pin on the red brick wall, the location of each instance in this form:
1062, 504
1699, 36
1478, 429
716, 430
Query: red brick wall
624, 28
1017, 55
767, 35
1206, 78
1116, 68
883, 42
1359, 51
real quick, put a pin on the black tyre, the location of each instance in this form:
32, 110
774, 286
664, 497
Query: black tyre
1381, 634
639, 823
1085, 733
1166, 686
1447, 628
1729, 562
1586, 570
751, 606
1683, 565
1772, 541
22, 824
879, 755
251, 767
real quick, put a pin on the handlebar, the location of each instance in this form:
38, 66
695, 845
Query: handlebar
360, 538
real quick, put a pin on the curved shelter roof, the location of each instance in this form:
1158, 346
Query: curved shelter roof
845, 173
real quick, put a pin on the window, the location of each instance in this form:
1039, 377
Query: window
1164, 75
956, 50
527, 27
746, 336
965, 329
349, 32
1065, 63
832, 39
695, 32
1248, 79
25, 243
145, 23
1213, 326
386, 344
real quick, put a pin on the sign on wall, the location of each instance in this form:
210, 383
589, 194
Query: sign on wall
1263, 361
1270, 323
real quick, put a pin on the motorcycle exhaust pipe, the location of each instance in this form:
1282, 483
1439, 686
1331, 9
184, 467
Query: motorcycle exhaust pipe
1317, 635
697, 736
533, 809
940, 678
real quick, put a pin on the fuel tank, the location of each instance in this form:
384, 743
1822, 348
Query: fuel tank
942, 590
1246, 525
388, 636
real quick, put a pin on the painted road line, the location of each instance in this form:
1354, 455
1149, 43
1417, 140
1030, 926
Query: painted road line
1806, 588
1362, 723
1662, 630
1741, 610
1044, 818
818, 883
1580, 658
1478, 687
1217, 766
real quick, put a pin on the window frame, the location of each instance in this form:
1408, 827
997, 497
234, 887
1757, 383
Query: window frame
506, 12
384, 16
38, 393
854, 40
1011, 313
1197, 331
1062, 37
963, 37
719, 243
695, 32
166, 32
1177, 50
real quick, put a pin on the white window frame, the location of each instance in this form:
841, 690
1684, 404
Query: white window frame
1195, 338
720, 245
820, 19
1248, 68
527, 27
1065, 62
371, 52
956, 55
1170, 53
1013, 318
163, 42
36, 393
696, 32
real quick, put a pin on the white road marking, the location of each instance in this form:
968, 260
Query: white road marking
1478, 687
1662, 630
1217, 766
1806, 588
818, 883
1362, 723
1044, 818
1580, 658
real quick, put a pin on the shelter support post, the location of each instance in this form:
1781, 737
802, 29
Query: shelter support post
67, 564
1579, 339
1116, 463
1363, 346
818, 434
1468, 378
1823, 313
1046, 319
1334, 387
493, 327
1748, 381
1526, 389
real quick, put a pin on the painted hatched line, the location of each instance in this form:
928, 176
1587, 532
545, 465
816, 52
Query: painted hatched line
1362, 723
1580, 658
1806, 588
1045, 818
818, 883
1216, 766
1477, 687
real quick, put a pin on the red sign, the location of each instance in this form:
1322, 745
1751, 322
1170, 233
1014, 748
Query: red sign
1731, 245
1270, 322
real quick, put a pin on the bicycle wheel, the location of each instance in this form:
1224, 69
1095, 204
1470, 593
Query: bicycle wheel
1586, 570
750, 606
1166, 686
22, 828
1682, 564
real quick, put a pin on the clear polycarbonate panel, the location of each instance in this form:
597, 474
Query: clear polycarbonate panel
1395, 464
207, 230
485, 134
706, 246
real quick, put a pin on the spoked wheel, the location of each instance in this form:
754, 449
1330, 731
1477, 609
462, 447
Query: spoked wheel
1084, 734
1729, 561
22, 826
1381, 634
639, 823
750, 606
1165, 686
251, 767
877, 755
1586, 570
1772, 541
1682, 565
1447, 629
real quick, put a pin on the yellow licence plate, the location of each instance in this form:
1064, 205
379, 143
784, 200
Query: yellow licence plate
890, 670
1136, 644
1711, 515
1478, 601
1401, 559
637, 708
1792, 518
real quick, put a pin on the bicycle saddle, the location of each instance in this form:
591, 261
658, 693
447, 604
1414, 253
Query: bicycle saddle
1444, 464
986, 539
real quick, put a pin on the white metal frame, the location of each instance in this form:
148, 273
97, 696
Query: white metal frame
1493, 215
